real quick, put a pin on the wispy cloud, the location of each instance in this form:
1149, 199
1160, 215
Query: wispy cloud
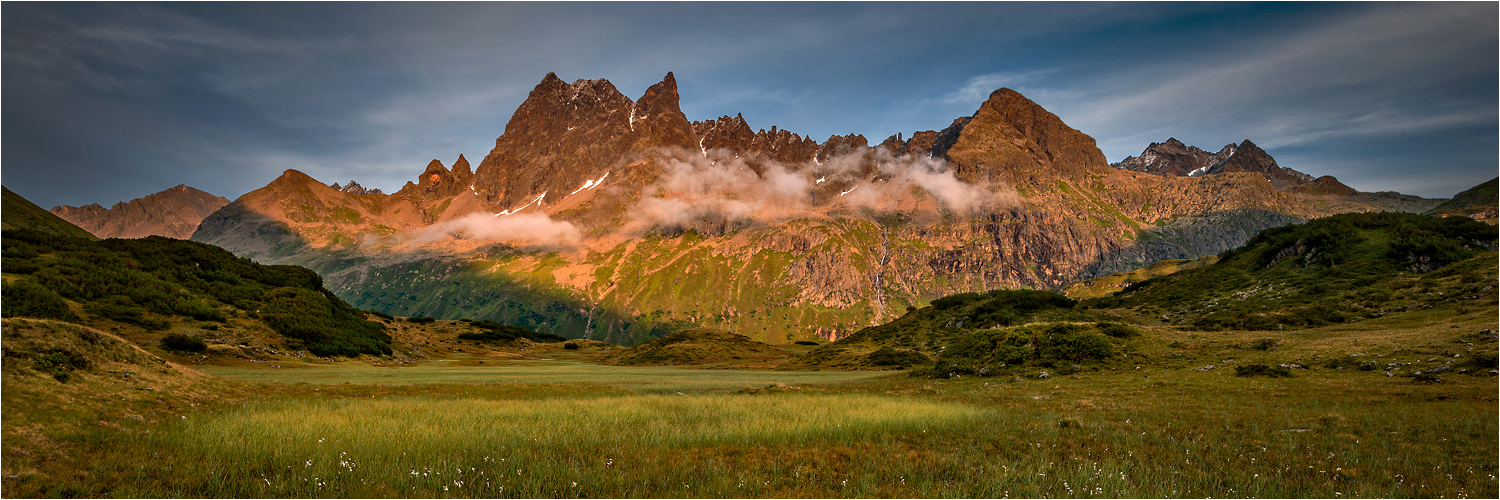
978, 88
1358, 77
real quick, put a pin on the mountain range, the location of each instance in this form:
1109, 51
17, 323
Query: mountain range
174, 213
599, 216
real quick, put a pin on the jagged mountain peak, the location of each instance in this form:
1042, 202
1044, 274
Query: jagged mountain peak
735, 134
1174, 158
461, 166
354, 188
566, 133
1248, 157
657, 117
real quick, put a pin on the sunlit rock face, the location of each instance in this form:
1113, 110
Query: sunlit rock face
604, 217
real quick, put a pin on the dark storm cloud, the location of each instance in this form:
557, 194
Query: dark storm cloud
108, 102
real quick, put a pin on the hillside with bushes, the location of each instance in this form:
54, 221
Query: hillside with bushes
695, 347
151, 284
929, 335
1336, 269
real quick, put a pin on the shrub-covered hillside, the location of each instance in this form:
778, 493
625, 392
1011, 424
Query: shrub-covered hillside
695, 347
153, 282
924, 336
1330, 270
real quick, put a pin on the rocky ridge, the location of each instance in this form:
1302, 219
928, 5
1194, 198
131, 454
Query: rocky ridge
1174, 158
174, 213
1049, 210
355, 188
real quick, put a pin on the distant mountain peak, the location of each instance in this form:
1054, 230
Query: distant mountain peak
1177, 159
174, 212
1248, 157
1174, 158
355, 188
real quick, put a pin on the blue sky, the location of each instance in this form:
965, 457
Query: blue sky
106, 102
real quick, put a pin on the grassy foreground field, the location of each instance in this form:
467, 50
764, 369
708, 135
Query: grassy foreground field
1399, 406
595, 431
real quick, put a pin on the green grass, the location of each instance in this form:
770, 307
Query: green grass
1147, 433
20, 213
466, 371
1155, 421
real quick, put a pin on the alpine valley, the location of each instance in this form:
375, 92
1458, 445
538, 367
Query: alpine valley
601, 217
622, 303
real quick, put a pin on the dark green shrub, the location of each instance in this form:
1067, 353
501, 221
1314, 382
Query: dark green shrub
1006, 347
1318, 315
420, 319
60, 363
1252, 370
117, 308
1013, 307
955, 300
496, 332
180, 342
945, 369
570, 346
326, 325
805, 342
30, 300
886, 356
1485, 360
1064, 342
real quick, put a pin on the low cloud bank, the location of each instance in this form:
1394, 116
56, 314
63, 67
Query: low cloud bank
719, 187
531, 229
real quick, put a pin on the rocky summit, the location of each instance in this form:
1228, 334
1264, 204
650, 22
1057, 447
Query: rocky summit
1174, 158
174, 213
355, 188
1178, 159
598, 216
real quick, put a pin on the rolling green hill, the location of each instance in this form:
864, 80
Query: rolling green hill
1340, 269
924, 334
695, 346
156, 283
1481, 199
1331, 270
21, 213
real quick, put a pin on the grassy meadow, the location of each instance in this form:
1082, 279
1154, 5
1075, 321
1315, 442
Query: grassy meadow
1159, 424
